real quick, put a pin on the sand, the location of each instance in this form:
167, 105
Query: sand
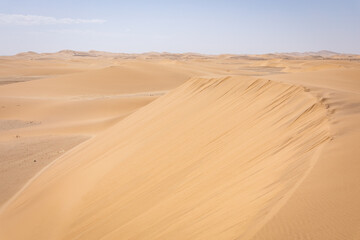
179, 146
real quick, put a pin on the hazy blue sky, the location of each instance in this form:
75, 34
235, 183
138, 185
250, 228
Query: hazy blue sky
212, 26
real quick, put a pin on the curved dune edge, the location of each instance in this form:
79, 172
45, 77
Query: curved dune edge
213, 159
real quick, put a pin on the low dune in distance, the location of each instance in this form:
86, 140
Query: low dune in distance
179, 146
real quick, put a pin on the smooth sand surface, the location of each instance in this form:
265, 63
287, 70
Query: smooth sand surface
97, 145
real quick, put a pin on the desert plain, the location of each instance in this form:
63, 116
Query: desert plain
98, 145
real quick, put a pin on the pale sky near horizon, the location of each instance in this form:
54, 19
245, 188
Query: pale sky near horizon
213, 27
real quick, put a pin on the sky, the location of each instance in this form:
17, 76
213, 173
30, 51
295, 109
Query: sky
210, 27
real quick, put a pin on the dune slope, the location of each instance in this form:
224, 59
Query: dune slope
326, 205
213, 159
53, 103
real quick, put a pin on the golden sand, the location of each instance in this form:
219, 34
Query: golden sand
179, 146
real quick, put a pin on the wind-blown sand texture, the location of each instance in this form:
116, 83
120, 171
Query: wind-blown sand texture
179, 146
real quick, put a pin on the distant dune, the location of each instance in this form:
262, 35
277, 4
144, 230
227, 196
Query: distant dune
97, 145
165, 55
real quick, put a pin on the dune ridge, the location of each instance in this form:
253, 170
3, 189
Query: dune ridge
212, 159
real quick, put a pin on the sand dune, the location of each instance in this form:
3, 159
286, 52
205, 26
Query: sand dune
179, 146
241, 148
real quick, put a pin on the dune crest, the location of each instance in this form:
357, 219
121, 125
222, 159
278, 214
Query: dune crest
212, 159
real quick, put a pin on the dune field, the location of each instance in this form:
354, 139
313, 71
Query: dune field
98, 145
